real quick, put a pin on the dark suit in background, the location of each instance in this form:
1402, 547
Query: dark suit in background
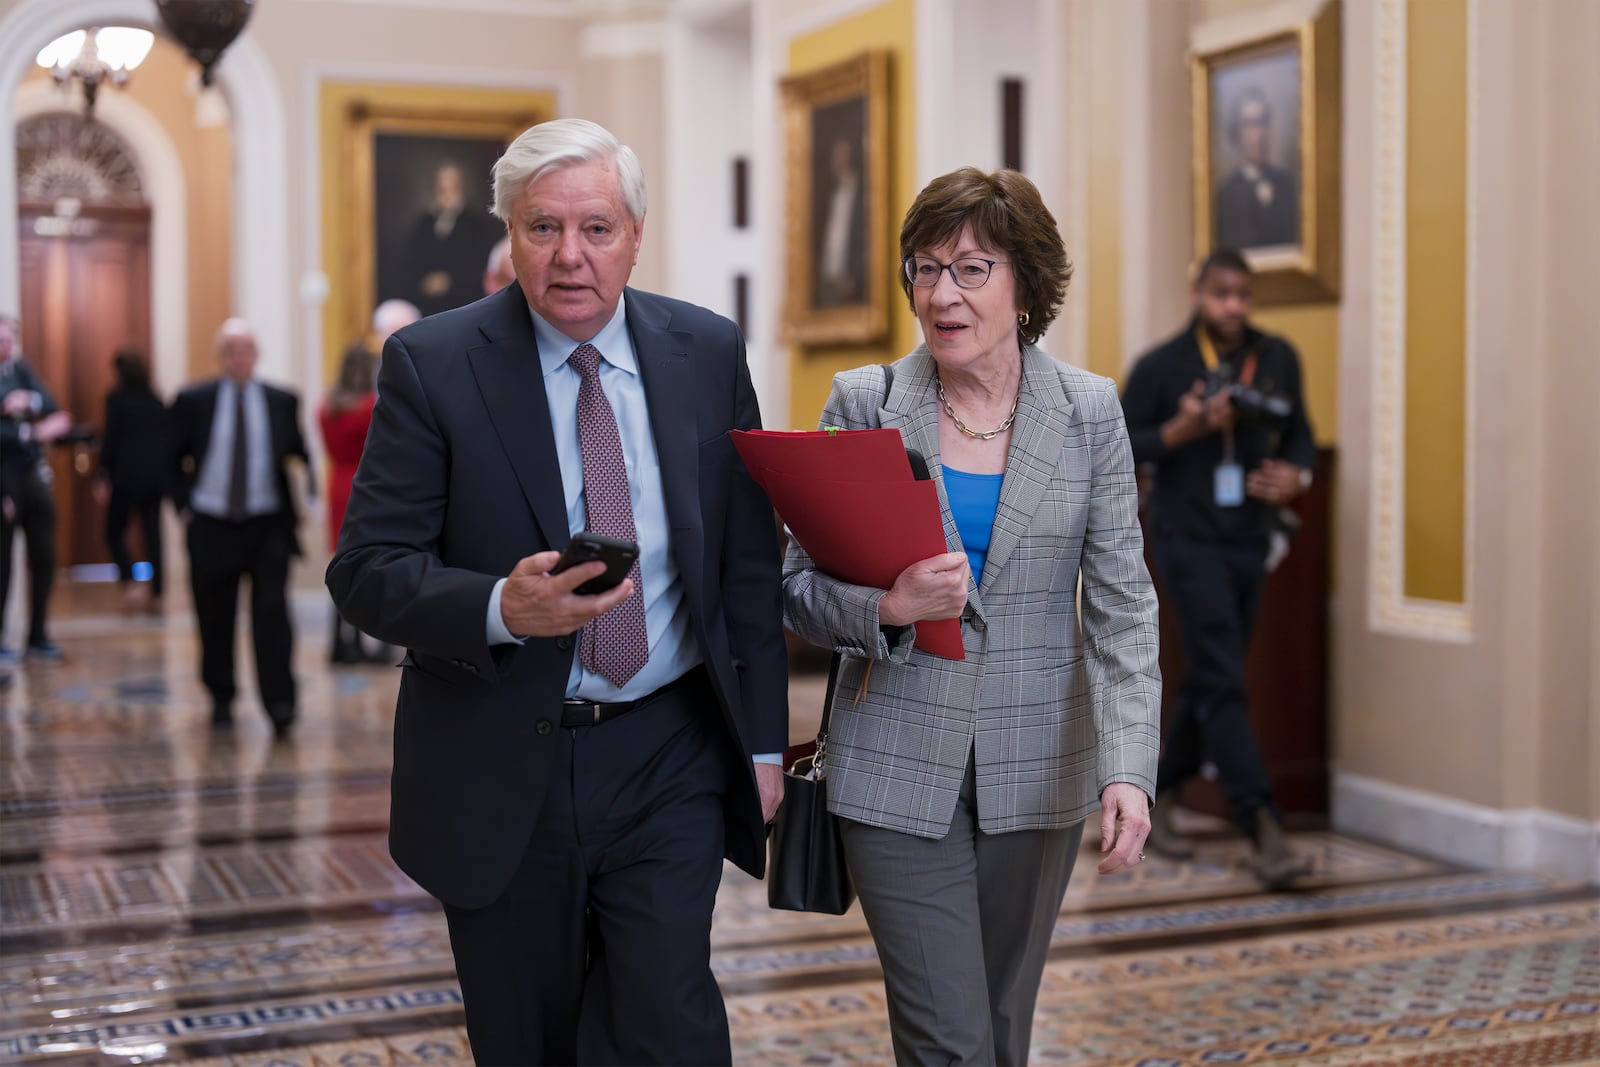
223, 548
134, 461
26, 482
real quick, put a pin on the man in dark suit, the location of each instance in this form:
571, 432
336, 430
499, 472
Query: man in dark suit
570, 770
29, 418
1258, 204
233, 438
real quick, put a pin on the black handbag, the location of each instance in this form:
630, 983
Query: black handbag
805, 867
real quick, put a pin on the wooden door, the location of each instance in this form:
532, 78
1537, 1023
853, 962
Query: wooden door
85, 293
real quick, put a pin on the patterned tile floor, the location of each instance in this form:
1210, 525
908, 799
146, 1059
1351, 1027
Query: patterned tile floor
167, 896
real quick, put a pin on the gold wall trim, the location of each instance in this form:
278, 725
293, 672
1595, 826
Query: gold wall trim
1390, 611
350, 113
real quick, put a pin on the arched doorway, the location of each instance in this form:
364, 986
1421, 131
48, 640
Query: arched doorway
84, 248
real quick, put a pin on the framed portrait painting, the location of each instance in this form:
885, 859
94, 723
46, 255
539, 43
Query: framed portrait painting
408, 195
837, 255
1266, 152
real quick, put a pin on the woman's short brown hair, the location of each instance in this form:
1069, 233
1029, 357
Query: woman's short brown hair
1007, 214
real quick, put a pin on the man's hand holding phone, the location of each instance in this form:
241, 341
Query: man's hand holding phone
540, 598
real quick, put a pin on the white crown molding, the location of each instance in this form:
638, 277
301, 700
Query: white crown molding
621, 40
821, 17
576, 10
1390, 610
313, 74
1475, 835
1246, 27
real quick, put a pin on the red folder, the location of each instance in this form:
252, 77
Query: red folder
850, 500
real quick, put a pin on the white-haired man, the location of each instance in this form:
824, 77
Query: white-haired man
233, 439
570, 770
499, 272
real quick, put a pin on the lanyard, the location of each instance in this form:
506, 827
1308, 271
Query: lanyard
1208, 352
1247, 376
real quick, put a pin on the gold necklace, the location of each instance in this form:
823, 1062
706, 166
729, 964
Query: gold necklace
977, 435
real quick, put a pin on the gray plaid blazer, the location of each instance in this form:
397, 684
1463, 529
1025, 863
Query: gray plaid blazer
1060, 693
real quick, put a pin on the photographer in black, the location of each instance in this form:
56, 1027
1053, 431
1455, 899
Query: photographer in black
1217, 410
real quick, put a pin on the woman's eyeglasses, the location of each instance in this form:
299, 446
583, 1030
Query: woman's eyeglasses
969, 272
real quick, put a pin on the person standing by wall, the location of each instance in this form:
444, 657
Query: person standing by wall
1218, 411
29, 419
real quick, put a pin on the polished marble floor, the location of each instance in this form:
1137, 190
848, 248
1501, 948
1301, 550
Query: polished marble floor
170, 895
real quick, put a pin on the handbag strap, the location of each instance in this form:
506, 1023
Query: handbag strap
835, 664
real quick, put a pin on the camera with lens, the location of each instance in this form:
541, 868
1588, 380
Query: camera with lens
1249, 401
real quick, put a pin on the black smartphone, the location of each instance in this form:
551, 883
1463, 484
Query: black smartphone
616, 553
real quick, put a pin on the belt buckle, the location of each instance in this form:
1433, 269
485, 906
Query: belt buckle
592, 707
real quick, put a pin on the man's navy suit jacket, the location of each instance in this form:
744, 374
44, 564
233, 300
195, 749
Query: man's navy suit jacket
459, 481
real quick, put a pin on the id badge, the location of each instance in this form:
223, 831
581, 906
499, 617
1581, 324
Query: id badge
1229, 485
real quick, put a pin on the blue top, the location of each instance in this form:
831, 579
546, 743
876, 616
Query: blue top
974, 499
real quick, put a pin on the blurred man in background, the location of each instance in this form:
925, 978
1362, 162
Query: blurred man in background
1218, 411
233, 438
29, 419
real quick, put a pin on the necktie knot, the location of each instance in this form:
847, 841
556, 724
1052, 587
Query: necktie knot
585, 359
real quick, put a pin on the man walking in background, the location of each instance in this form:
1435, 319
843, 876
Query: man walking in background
233, 439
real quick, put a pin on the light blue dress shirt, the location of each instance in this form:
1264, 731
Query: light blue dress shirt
210, 495
672, 647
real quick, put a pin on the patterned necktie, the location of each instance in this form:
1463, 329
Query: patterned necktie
239, 466
616, 644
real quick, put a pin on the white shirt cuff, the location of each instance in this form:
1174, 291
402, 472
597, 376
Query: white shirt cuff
495, 625
768, 757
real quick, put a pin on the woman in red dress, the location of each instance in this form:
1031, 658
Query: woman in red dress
345, 417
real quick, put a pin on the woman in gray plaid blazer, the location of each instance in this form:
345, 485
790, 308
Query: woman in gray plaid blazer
964, 784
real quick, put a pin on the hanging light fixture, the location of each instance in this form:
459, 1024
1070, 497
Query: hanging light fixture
205, 28
96, 56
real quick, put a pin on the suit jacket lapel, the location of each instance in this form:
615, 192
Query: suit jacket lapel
913, 409
205, 416
668, 375
1038, 441
511, 381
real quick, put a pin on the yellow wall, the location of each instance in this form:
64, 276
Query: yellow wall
1314, 331
890, 26
1436, 195
1103, 279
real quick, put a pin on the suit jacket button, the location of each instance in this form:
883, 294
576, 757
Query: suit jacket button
544, 727
564, 641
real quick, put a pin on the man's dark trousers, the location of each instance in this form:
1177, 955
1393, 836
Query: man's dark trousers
599, 950
1215, 589
221, 555
35, 515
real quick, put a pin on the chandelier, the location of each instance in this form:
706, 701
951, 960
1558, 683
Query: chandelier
95, 57
205, 28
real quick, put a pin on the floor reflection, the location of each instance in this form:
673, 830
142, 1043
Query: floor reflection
172, 893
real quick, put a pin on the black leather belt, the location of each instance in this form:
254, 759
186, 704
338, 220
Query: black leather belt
595, 712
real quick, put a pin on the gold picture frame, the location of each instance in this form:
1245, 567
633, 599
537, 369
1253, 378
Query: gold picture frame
359, 122
1267, 152
837, 255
